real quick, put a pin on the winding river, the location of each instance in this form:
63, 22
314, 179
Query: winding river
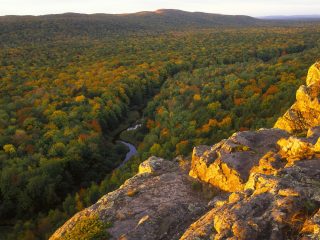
132, 149
132, 152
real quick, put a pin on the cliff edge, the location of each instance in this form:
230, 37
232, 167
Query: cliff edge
261, 184
304, 113
160, 202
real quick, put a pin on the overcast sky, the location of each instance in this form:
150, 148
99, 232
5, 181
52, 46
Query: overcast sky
245, 7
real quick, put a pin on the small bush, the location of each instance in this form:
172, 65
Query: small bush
89, 228
196, 185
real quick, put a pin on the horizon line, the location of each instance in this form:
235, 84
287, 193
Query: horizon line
157, 10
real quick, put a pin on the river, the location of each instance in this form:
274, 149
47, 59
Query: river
132, 149
132, 152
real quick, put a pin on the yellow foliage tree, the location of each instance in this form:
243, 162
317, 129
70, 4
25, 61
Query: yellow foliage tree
80, 98
197, 97
9, 148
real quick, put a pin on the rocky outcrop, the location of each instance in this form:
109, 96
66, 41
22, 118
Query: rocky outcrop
275, 195
265, 184
305, 112
270, 207
227, 164
314, 74
160, 202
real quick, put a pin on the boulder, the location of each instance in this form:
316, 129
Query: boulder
227, 165
152, 165
294, 149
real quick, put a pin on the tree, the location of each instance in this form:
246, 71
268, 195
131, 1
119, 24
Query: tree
9, 148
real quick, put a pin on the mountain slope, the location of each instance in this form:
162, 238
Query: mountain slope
270, 189
37, 28
169, 18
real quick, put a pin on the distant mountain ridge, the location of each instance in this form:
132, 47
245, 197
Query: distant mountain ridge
292, 17
68, 25
35, 29
167, 16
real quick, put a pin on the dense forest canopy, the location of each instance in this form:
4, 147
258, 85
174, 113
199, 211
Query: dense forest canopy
69, 83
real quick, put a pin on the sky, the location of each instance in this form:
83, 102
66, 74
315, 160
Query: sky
243, 7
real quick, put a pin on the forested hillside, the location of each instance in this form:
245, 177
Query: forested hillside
63, 100
19, 29
213, 102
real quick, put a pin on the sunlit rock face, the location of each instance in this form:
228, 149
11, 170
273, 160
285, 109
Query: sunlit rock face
314, 74
305, 112
276, 195
227, 165
271, 207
